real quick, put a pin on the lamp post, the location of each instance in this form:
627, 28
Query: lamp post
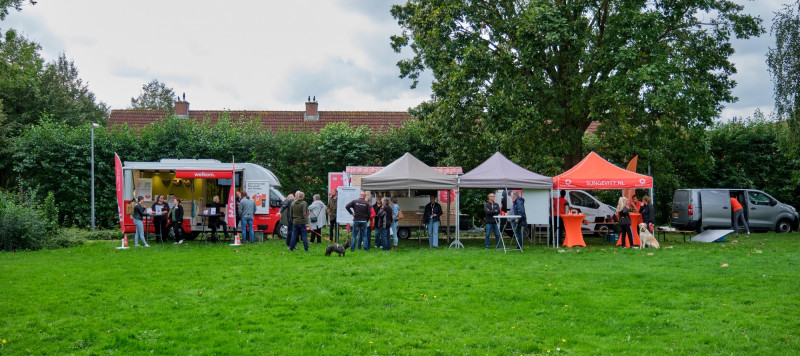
93, 126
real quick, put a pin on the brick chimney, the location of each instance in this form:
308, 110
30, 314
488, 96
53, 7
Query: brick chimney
182, 107
311, 109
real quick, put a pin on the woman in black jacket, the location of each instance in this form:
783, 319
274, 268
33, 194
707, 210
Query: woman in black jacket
176, 220
624, 223
648, 213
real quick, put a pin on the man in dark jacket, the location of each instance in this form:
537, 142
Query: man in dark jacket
360, 210
490, 209
431, 217
298, 213
286, 219
518, 208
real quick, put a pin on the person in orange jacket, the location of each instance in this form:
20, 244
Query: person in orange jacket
738, 213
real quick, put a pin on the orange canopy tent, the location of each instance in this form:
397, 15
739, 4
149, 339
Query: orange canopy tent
595, 173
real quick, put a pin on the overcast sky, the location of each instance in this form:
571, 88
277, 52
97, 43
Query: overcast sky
272, 55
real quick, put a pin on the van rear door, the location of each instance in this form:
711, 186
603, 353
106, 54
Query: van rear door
715, 208
680, 208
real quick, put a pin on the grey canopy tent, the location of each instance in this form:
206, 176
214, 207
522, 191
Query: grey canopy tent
499, 172
408, 172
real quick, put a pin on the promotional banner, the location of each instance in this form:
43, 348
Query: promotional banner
144, 188
346, 195
120, 200
230, 209
259, 192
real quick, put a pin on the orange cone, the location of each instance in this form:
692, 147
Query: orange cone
124, 243
237, 241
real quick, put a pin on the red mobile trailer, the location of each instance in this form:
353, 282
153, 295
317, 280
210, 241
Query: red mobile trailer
196, 182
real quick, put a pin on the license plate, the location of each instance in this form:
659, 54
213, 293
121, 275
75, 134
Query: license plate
675, 214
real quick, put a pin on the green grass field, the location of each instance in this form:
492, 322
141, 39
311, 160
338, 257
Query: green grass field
196, 299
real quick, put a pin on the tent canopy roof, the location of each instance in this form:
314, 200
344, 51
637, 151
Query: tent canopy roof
594, 172
408, 172
499, 172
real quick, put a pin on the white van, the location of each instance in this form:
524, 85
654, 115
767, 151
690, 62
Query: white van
595, 210
701, 209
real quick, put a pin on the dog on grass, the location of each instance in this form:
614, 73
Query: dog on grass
646, 239
340, 249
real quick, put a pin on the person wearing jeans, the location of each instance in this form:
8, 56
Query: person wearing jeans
395, 222
490, 210
248, 208
138, 213
518, 208
431, 216
360, 210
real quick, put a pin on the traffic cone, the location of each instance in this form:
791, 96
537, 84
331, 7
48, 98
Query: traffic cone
237, 241
124, 243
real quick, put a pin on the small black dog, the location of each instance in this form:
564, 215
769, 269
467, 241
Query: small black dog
340, 249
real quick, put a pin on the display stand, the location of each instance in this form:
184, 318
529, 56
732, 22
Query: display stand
502, 227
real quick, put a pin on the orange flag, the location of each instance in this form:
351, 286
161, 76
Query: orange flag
628, 193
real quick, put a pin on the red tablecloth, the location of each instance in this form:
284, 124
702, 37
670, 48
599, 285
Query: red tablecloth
572, 227
636, 218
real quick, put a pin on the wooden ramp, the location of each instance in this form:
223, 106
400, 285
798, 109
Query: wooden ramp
712, 236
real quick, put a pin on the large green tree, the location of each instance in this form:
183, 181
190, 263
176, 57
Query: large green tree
528, 77
784, 66
155, 95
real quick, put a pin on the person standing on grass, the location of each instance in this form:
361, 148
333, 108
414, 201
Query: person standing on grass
377, 208
360, 210
332, 217
298, 212
138, 214
160, 210
560, 205
626, 234
738, 214
176, 220
316, 218
248, 210
431, 217
286, 220
395, 222
490, 210
518, 208
648, 213
238, 210
386, 222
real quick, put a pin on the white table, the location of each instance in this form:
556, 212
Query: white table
502, 226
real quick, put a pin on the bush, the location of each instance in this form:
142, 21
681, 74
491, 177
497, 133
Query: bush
26, 224
96, 235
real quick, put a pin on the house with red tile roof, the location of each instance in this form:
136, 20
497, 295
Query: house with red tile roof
309, 120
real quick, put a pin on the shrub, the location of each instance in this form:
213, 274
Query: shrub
26, 224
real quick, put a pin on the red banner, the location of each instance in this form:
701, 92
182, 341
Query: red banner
230, 210
204, 174
120, 199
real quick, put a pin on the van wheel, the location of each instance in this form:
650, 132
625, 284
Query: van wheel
282, 231
403, 233
603, 231
783, 226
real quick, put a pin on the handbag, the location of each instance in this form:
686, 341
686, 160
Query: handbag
314, 219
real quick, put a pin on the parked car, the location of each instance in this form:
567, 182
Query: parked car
701, 209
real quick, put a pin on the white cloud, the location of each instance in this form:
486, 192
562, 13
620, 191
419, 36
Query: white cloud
270, 55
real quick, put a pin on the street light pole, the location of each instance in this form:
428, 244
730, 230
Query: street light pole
93, 126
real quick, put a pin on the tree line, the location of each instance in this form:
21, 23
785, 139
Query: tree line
53, 157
